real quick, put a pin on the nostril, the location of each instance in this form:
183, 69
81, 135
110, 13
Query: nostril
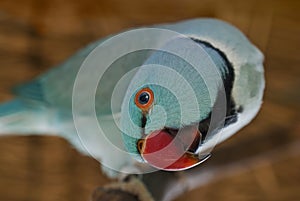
140, 145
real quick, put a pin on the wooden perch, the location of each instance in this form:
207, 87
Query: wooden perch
131, 189
166, 186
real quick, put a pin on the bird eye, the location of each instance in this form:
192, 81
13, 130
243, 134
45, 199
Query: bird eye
144, 99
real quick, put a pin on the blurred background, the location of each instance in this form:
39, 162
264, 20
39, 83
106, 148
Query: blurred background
38, 34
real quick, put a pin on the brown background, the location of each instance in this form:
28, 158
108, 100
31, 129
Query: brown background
37, 34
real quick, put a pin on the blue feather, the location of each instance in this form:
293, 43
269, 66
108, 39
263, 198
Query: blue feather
32, 90
12, 107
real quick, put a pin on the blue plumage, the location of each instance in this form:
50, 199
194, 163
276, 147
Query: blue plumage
44, 105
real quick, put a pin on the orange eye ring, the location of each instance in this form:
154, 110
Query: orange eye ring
144, 99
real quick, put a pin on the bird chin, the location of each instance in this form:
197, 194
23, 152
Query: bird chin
172, 149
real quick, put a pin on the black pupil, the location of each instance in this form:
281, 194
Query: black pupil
144, 98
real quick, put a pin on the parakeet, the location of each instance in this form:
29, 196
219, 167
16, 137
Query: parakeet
166, 117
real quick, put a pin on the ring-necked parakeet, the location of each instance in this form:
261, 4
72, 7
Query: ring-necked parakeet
160, 122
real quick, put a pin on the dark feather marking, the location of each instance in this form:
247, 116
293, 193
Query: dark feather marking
143, 121
231, 112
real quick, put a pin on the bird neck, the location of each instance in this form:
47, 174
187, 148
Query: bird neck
228, 75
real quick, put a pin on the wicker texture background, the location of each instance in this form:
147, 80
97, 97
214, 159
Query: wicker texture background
37, 34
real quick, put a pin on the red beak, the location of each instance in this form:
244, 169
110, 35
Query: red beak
168, 151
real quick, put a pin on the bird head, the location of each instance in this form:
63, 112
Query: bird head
161, 111
155, 131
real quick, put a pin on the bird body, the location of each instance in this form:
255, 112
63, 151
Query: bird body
44, 105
